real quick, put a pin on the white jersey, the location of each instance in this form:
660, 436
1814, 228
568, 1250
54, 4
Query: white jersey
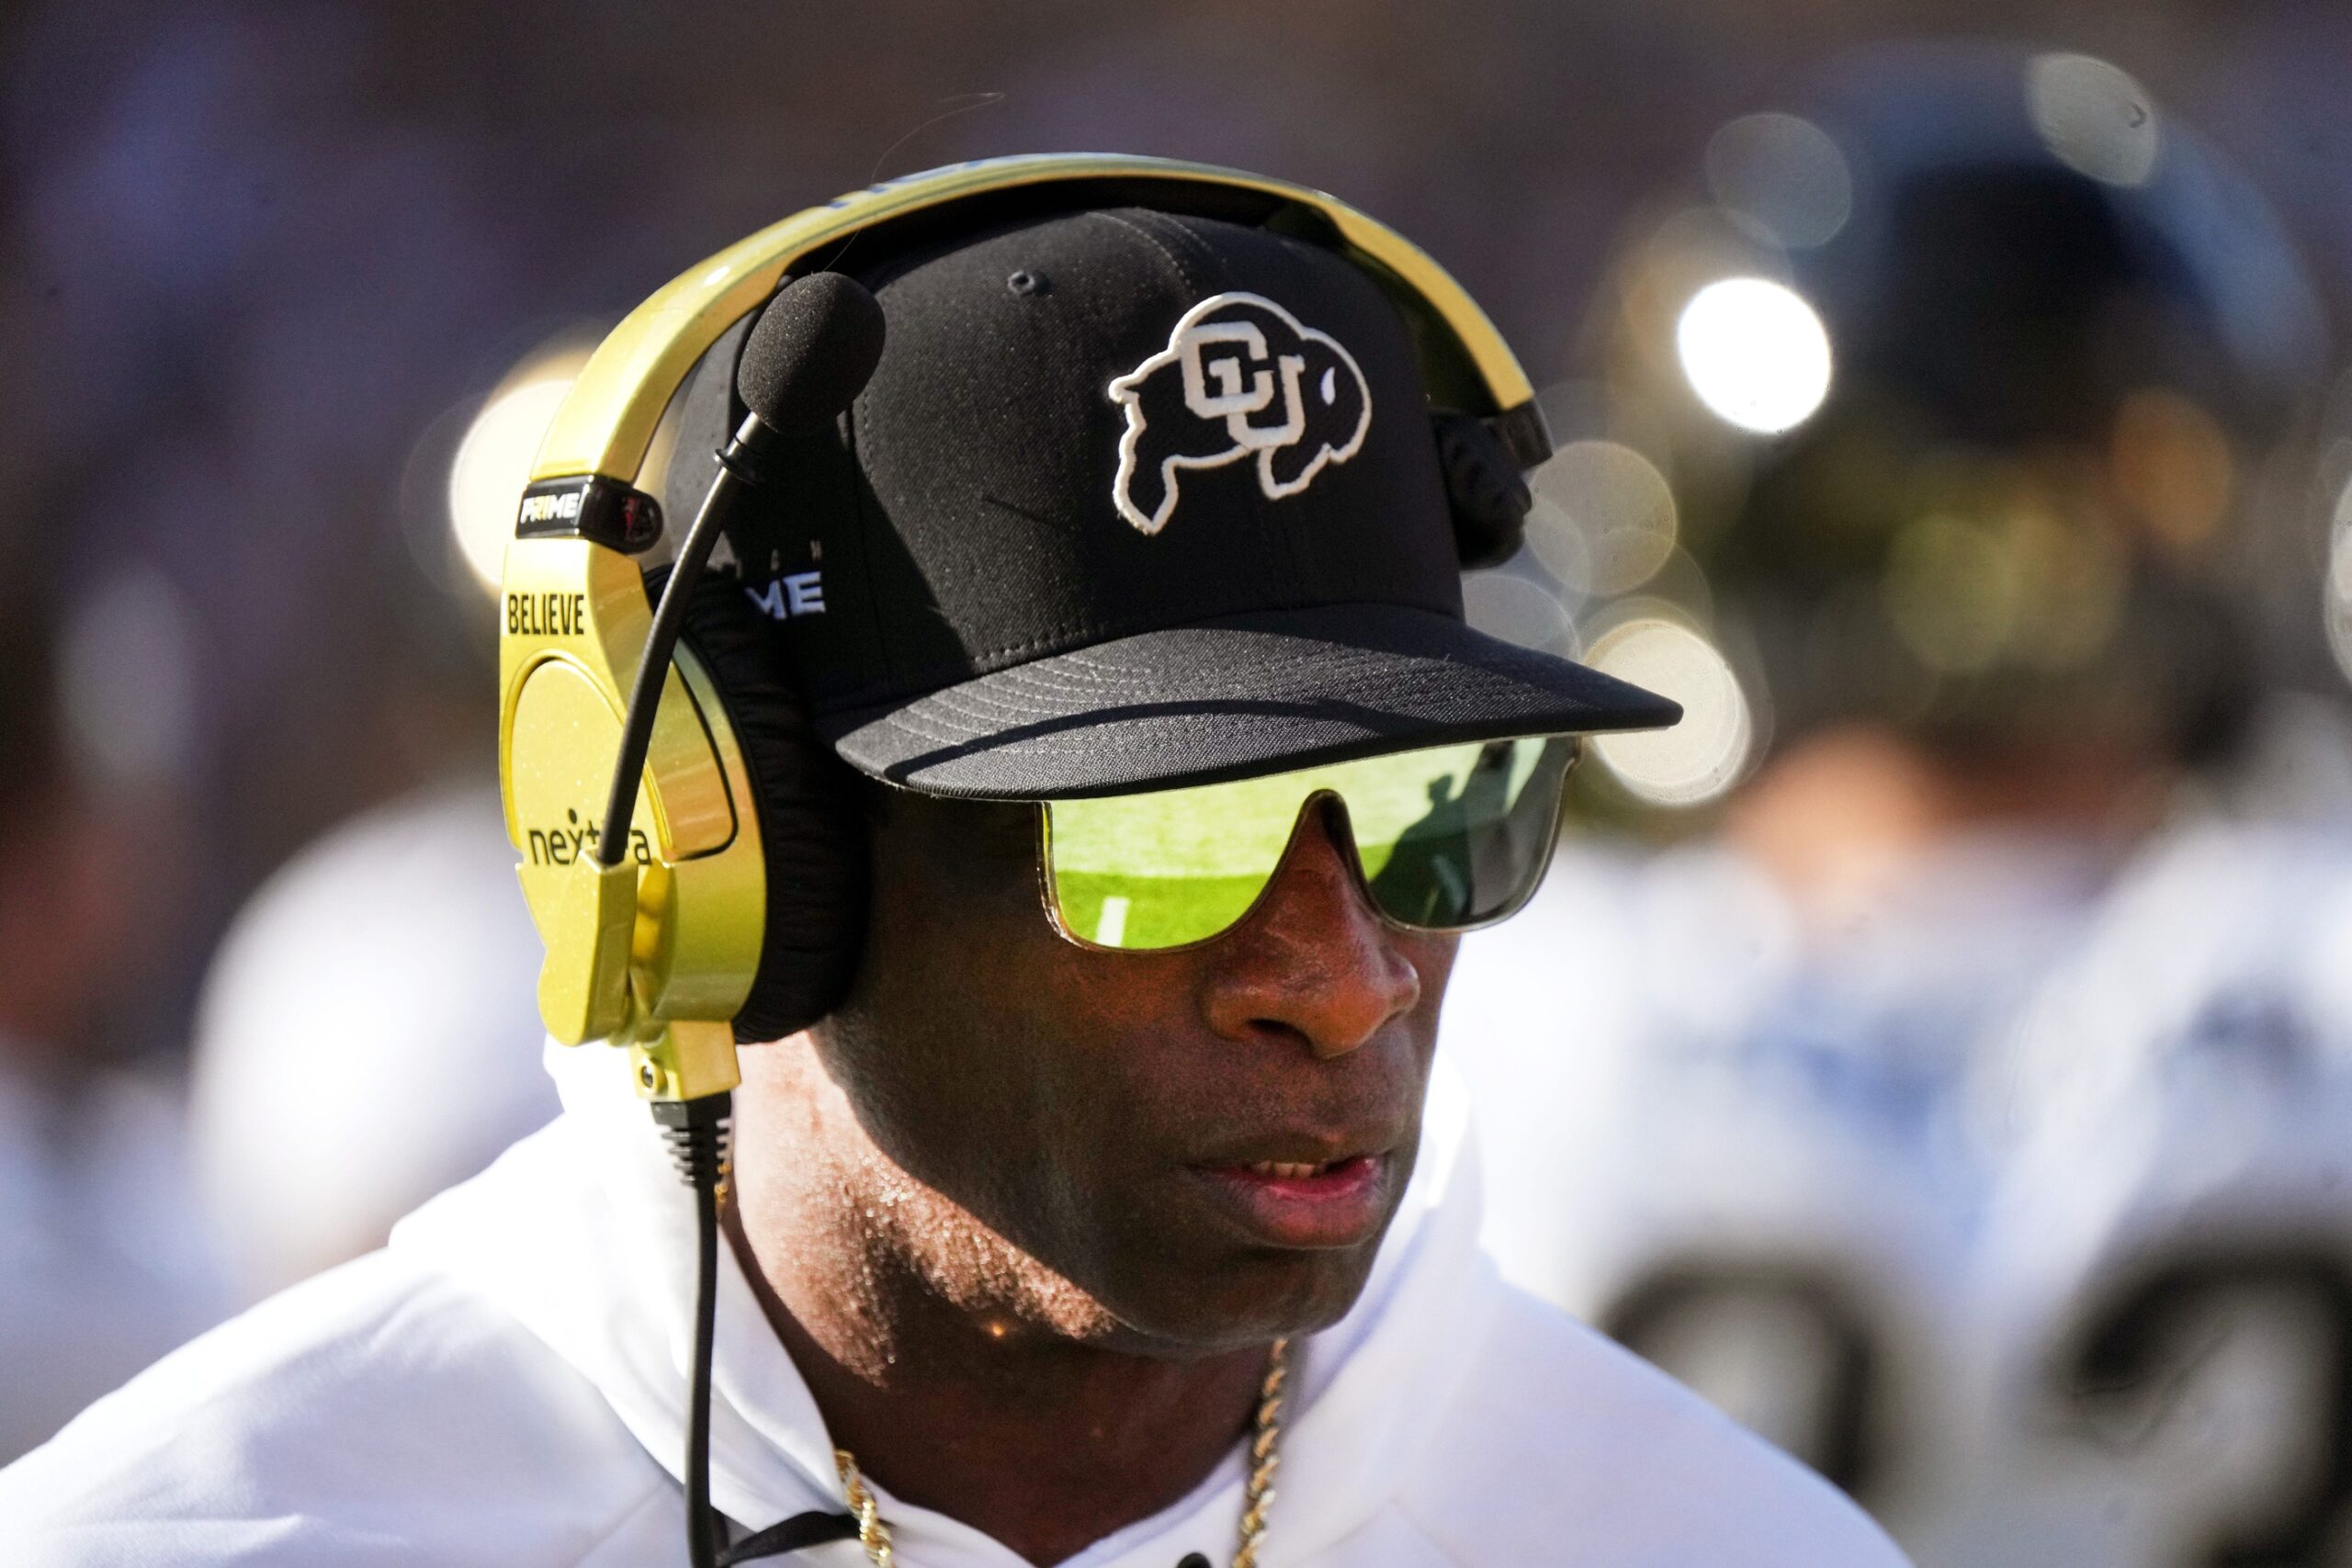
1743, 1144
1865, 1186
2163, 1291
506, 1383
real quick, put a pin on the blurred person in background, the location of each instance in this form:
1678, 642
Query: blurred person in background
104, 1264
385, 963
1952, 450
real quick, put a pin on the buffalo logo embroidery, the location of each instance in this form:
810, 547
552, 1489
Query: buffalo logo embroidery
1239, 376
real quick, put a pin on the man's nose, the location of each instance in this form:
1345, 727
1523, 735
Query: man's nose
1313, 962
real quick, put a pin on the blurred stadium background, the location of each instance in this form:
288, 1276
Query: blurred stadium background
1939, 1049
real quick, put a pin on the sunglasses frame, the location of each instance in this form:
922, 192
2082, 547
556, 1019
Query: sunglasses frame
1354, 856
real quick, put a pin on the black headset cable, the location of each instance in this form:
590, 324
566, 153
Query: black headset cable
807, 357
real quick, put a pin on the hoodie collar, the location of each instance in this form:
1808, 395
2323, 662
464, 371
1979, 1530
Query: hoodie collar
585, 1235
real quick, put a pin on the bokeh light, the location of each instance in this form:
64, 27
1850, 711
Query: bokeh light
1606, 521
494, 463
1783, 174
1953, 591
2093, 117
1679, 256
1755, 353
2338, 593
1506, 605
2022, 585
2172, 466
1697, 760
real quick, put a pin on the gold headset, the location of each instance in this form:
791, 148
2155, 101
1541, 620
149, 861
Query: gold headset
658, 951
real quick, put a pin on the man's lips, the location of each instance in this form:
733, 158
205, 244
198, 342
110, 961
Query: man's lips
1307, 1205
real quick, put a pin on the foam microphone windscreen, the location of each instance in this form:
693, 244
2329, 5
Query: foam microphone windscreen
811, 351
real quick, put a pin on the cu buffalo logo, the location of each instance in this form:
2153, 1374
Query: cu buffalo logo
1241, 377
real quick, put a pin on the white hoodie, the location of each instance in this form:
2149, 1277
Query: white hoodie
504, 1383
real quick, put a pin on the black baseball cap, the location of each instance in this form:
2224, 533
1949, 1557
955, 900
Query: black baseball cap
1132, 500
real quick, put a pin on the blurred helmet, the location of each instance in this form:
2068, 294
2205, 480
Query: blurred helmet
1964, 386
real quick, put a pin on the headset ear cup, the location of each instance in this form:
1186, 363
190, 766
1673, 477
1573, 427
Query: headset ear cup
812, 824
1489, 499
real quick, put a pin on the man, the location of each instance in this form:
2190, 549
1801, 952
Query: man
1087, 1203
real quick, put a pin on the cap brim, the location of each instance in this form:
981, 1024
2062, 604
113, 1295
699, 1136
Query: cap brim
1228, 698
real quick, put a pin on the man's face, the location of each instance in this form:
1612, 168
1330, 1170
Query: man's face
1208, 1143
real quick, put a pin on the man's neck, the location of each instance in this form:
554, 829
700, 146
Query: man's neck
964, 1377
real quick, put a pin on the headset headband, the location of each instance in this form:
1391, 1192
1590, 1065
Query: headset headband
607, 423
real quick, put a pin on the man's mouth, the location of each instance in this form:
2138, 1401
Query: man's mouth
1289, 1172
1305, 1205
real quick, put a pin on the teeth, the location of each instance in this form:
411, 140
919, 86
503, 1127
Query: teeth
1285, 1170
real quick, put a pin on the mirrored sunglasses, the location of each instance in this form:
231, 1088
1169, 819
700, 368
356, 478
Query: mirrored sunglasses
1445, 838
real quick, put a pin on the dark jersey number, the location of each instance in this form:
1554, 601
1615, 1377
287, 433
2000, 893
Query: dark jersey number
1845, 1431
2139, 1333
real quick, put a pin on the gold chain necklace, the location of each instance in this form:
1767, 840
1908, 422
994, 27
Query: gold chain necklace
1257, 1494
